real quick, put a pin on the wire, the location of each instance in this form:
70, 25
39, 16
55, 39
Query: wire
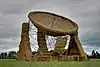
34, 46
32, 33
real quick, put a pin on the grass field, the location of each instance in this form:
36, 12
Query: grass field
16, 63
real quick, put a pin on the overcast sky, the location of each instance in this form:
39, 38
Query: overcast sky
86, 13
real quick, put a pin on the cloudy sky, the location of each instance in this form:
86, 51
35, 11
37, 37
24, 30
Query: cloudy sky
86, 13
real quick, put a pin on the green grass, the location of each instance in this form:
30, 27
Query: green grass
16, 63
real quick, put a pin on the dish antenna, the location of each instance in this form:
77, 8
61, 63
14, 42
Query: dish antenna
50, 22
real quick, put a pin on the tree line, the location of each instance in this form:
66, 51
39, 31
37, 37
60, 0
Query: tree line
10, 55
94, 54
13, 55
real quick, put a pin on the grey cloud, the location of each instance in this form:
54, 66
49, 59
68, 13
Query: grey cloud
85, 13
90, 37
9, 43
9, 26
16, 6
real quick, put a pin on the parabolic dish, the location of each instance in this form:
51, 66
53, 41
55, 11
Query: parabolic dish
52, 22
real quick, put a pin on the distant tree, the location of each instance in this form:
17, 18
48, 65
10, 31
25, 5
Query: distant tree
3, 55
0, 56
93, 54
12, 55
97, 54
17, 54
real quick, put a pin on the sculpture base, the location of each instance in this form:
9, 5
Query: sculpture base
59, 58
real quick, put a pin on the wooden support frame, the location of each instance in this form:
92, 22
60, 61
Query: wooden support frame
25, 52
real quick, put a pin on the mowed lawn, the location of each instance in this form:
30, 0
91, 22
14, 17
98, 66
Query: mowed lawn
16, 63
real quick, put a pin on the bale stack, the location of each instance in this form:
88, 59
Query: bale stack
75, 47
42, 42
56, 25
60, 44
25, 52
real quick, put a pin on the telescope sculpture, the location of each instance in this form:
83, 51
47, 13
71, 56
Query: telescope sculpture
50, 24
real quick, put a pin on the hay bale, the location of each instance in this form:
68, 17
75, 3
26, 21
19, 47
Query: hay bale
25, 52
